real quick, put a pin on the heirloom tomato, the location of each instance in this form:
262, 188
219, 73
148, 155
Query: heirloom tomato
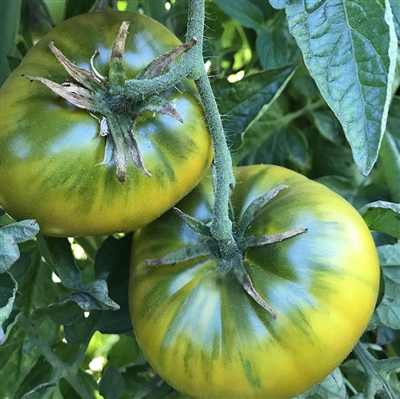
208, 338
52, 153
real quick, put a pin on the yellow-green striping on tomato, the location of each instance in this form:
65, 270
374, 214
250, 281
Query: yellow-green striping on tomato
203, 333
50, 150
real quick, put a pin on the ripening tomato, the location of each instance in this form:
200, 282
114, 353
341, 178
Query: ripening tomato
208, 338
51, 152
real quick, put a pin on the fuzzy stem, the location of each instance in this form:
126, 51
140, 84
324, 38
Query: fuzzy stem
224, 180
368, 362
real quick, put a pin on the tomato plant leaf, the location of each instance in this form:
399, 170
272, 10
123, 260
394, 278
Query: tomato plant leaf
9, 252
389, 156
22, 231
249, 98
86, 380
350, 50
10, 236
383, 217
245, 12
8, 290
42, 391
94, 296
112, 262
58, 255
327, 124
270, 49
111, 384
9, 26
57, 252
388, 311
75, 7
286, 144
258, 132
396, 15
82, 329
332, 386
35, 385
119, 357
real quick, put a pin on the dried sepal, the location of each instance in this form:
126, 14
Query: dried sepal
75, 94
258, 241
162, 61
80, 75
119, 44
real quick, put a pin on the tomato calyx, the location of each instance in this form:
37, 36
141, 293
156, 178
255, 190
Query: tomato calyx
230, 255
109, 100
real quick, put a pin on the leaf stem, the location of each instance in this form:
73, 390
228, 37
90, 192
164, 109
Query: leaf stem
371, 366
61, 369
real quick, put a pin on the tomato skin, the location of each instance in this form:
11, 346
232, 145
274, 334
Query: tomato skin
49, 148
206, 337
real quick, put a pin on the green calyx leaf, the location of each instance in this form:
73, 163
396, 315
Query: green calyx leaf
230, 254
112, 99
255, 207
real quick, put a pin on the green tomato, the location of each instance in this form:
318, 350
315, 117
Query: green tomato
208, 338
50, 150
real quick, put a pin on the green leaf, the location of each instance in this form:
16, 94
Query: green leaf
57, 252
389, 156
35, 382
243, 102
350, 50
327, 124
332, 386
119, 356
395, 4
388, 311
65, 312
279, 4
94, 296
8, 290
86, 380
12, 234
58, 255
288, 144
113, 260
9, 26
82, 329
76, 7
246, 13
259, 131
22, 231
383, 217
271, 48
42, 391
36, 290
111, 384
9, 252
340, 185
